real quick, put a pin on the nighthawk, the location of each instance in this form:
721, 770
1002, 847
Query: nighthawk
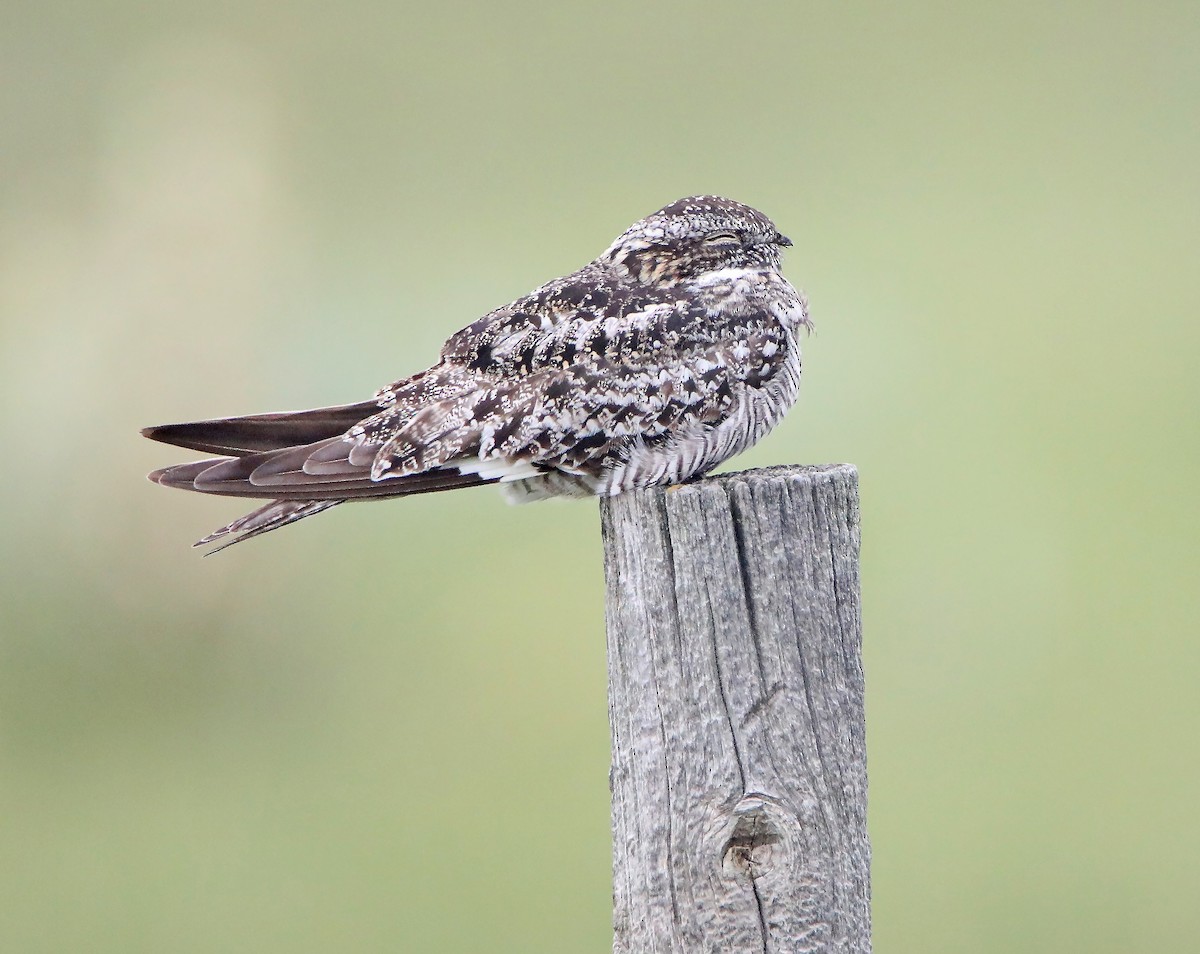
671, 352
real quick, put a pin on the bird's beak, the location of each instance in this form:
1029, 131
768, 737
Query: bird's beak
783, 240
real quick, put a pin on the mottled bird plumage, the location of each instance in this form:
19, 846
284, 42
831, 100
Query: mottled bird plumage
672, 351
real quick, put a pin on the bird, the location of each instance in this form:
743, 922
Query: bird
672, 351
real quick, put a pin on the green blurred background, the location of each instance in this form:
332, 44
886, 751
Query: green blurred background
386, 729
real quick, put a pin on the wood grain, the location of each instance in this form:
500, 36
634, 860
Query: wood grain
739, 784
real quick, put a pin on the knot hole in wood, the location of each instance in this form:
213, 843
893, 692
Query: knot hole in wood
756, 837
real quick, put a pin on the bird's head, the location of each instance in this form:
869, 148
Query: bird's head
699, 234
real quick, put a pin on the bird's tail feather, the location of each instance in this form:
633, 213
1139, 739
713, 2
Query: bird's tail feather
276, 514
252, 434
262, 459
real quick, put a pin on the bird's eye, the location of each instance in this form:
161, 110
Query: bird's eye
721, 238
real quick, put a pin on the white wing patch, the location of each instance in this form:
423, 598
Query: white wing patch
495, 468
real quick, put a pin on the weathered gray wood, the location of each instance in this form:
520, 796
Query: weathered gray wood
739, 785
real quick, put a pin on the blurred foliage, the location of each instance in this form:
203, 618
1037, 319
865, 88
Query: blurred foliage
385, 729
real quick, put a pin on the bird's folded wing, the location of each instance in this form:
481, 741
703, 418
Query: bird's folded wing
568, 417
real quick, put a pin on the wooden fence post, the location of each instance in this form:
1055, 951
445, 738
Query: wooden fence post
739, 784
